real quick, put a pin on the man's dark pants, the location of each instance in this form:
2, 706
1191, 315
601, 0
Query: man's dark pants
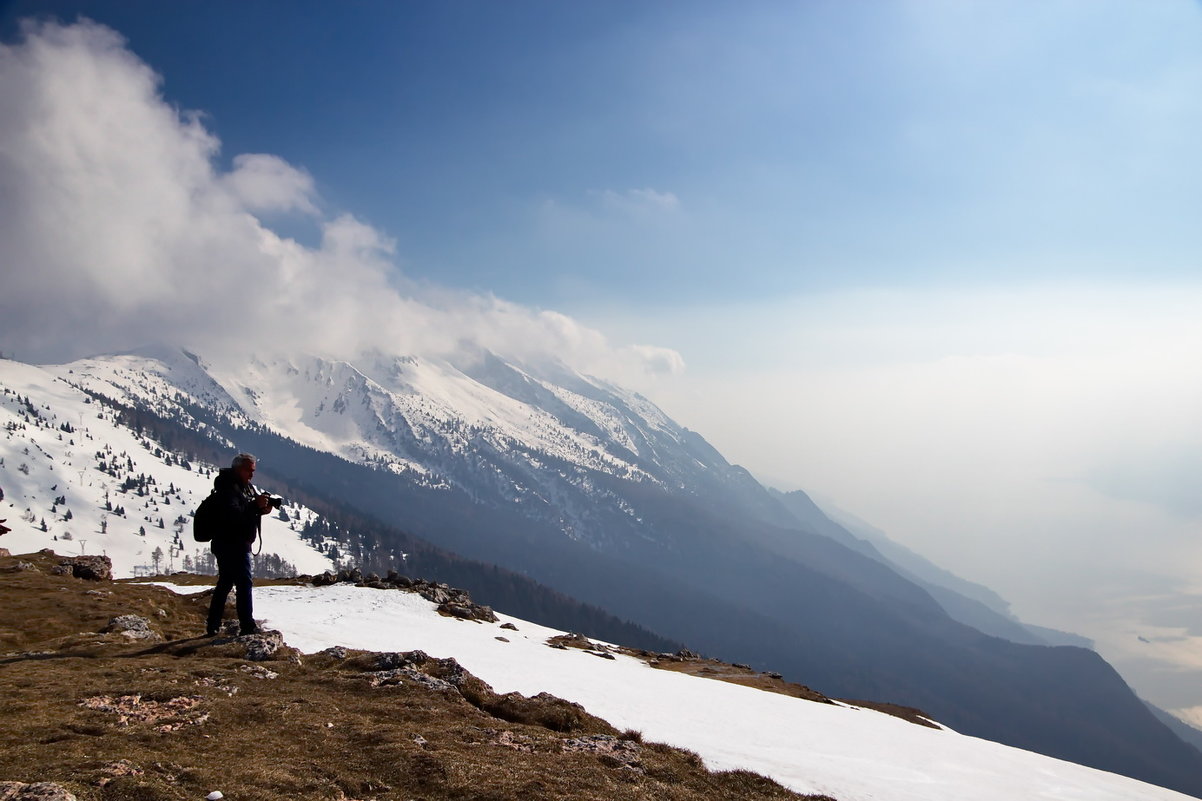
234, 569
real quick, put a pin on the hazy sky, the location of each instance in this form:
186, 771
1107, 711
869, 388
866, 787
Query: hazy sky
937, 263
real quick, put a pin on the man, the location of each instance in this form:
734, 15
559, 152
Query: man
241, 510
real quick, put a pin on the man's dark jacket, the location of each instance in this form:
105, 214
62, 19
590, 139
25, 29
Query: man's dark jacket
239, 514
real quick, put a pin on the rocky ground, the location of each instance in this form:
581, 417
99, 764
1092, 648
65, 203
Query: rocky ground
107, 692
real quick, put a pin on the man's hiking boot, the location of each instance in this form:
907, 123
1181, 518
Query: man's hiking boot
247, 630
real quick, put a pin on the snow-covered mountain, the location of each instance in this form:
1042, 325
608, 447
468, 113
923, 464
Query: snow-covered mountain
76, 480
538, 439
582, 486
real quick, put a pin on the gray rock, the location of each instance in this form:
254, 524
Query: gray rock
612, 751
449, 670
92, 568
391, 660
467, 611
38, 791
259, 672
134, 627
455, 610
400, 675
262, 646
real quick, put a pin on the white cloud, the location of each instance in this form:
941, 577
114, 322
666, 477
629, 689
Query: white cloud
605, 215
266, 183
660, 361
1191, 715
638, 203
118, 230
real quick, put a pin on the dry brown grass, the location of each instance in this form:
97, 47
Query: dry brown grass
735, 674
113, 719
694, 665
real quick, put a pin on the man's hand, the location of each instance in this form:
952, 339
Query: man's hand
264, 503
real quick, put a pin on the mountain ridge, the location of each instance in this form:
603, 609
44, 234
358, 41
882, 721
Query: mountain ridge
684, 544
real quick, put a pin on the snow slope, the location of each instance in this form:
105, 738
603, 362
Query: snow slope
54, 449
849, 753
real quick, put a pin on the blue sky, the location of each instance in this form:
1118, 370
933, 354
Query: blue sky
563, 154
934, 261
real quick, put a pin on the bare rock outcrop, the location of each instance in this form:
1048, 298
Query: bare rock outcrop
451, 601
263, 646
37, 791
92, 568
134, 627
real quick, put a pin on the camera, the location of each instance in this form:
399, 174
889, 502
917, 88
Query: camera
275, 501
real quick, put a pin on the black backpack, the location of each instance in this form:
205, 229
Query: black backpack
205, 521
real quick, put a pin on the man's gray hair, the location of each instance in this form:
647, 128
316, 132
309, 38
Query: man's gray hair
242, 459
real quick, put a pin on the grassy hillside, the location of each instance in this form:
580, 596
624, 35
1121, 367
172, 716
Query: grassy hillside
176, 716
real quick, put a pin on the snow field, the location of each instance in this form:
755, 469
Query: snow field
849, 753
